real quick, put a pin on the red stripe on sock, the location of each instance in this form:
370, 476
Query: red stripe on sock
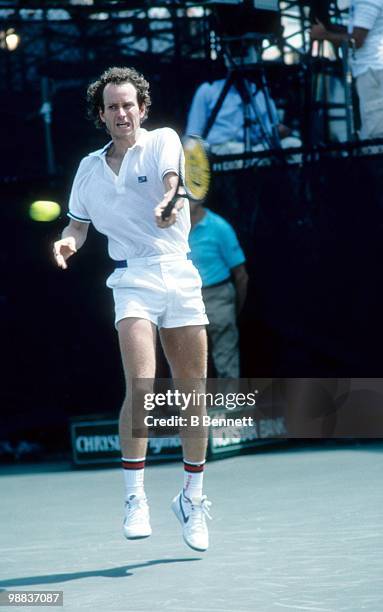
133, 465
193, 468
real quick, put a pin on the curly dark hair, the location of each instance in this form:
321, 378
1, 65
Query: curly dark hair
116, 75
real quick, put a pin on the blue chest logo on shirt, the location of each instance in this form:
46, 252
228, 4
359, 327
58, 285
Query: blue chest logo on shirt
142, 179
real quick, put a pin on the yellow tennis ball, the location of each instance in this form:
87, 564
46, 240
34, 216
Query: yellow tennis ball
44, 210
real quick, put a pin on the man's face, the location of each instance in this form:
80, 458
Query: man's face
122, 115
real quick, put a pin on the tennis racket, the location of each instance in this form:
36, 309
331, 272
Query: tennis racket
195, 180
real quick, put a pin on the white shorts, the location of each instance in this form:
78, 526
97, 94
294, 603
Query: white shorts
165, 289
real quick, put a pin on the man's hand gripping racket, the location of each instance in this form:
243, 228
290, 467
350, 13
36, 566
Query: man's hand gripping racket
194, 181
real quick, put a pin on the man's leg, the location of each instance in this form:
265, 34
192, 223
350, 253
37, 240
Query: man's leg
137, 338
223, 330
370, 91
186, 351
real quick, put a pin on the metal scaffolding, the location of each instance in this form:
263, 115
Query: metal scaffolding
66, 39
62, 44
78, 31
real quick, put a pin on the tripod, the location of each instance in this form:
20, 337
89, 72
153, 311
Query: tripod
237, 77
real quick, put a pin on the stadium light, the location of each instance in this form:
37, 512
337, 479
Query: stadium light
9, 39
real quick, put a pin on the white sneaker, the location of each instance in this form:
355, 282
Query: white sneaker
136, 522
191, 514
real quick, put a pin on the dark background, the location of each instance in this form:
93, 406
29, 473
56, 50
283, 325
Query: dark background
313, 309
312, 234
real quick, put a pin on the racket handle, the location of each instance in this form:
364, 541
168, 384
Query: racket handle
169, 207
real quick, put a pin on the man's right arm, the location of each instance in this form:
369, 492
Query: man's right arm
339, 35
72, 239
240, 279
198, 114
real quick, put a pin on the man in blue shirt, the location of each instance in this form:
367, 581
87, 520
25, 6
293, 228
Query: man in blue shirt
227, 134
229, 124
216, 253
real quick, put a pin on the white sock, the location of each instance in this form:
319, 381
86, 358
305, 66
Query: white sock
134, 476
193, 479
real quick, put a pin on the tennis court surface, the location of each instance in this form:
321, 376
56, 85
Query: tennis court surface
297, 528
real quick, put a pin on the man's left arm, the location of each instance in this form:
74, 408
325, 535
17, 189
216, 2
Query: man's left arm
366, 13
240, 280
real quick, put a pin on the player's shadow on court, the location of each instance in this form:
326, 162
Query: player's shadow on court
114, 572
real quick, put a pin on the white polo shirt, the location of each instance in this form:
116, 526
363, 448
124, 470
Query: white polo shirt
368, 14
122, 207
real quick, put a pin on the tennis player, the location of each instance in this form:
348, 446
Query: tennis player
122, 190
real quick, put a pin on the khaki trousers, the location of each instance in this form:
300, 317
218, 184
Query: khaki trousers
370, 91
220, 304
